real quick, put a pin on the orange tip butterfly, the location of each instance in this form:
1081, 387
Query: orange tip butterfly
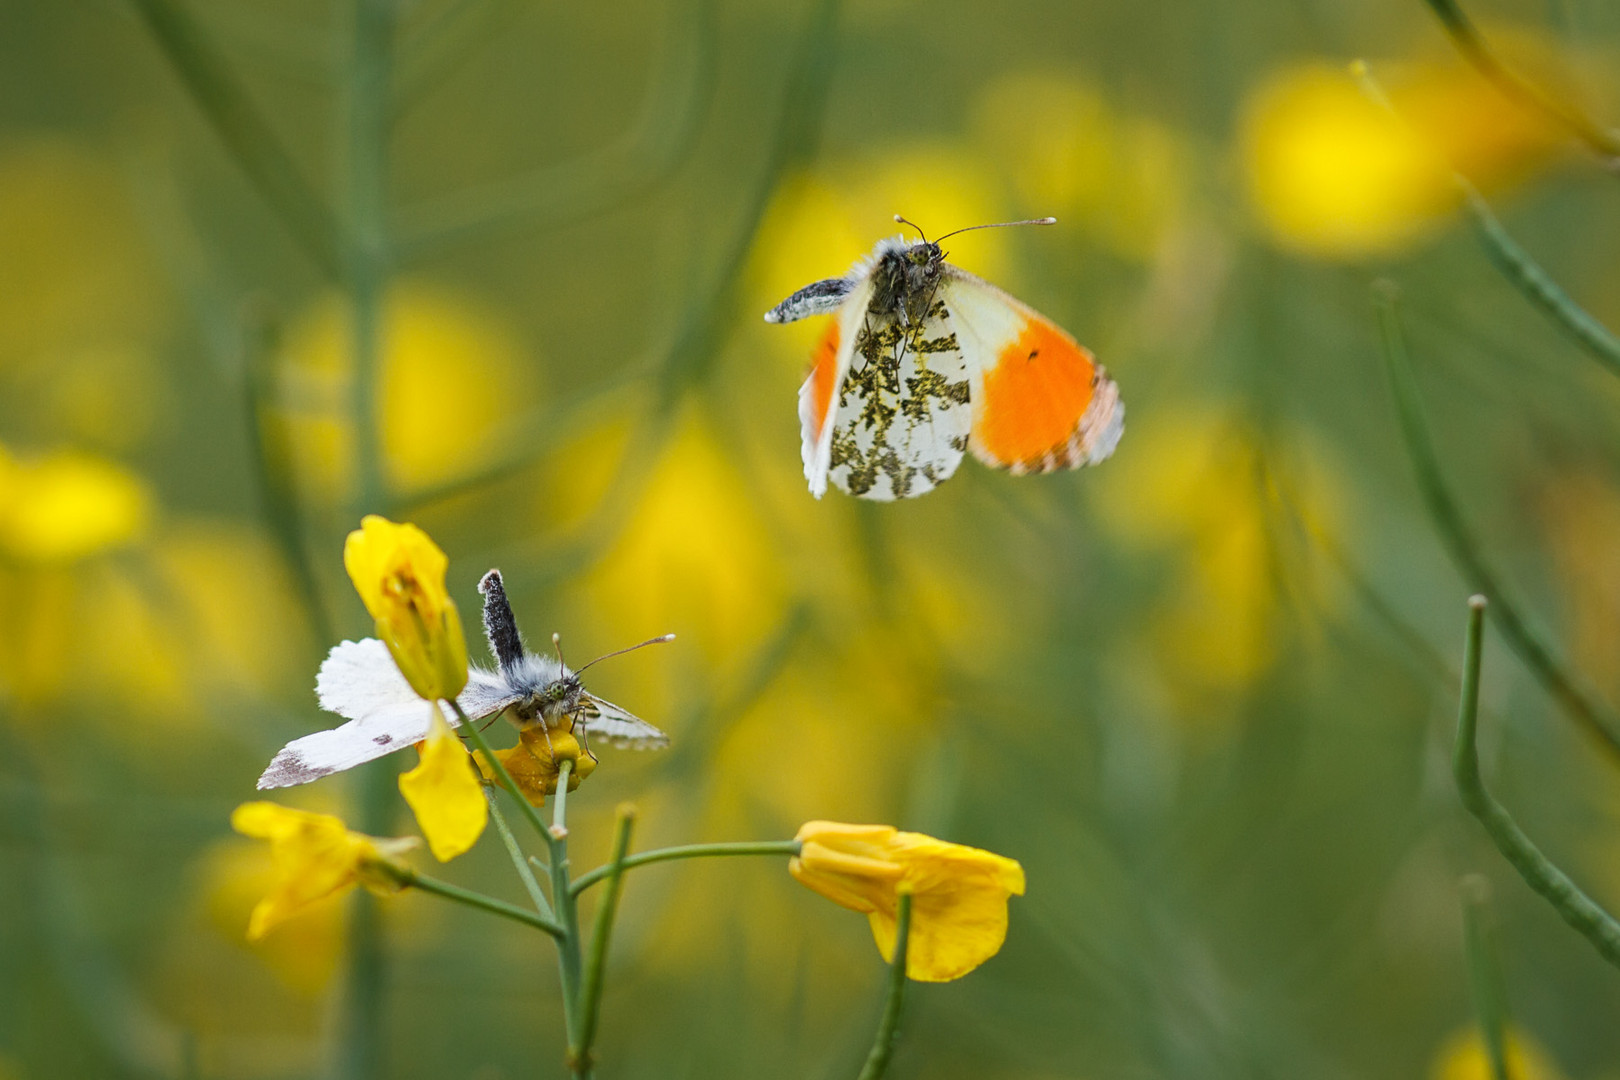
360, 682
924, 361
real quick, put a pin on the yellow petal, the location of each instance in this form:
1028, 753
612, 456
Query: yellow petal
444, 794
959, 894
958, 907
315, 856
399, 573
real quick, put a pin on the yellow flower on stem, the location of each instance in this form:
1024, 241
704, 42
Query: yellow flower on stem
959, 894
537, 758
399, 574
445, 794
316, 856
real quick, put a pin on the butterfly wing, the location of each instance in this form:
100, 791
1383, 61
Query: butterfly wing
359, 680
902, 417
620, 728
1040, 399
818, 396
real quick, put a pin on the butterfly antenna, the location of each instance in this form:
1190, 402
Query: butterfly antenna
633, 648
1001, 225
556, 643
914, 225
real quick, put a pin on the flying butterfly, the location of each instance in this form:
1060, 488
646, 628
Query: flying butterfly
359, 680
925, 361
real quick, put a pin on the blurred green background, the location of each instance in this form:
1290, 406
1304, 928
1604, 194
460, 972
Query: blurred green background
1203, 692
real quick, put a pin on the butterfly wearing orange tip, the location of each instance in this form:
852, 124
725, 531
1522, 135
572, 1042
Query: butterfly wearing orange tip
924, 362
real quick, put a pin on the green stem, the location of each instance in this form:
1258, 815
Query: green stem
246, 134
1573, 906
579, 1055
519, 860
1538, 286
689, 851
1472, 45
877, 1062
410, 878
1484, 973
568, 952
1461, 545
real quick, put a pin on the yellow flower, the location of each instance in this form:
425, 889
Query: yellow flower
316, 856
444, 794
1336, 174
1463, 1057
959, 894
68, 505
399, 574
535, 761
444, 354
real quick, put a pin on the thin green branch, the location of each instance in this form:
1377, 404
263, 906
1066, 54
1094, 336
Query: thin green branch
579, 1055
557, 194
1461, 545
247, 136
272, 469
1485, 973
569, 964
689, 851
1471, 44
1538, 872
519, 861
877, 1062
1539, 287
410, 878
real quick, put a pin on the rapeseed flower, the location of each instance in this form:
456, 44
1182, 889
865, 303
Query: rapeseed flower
399, 574
316, 856
536, 760
959, 894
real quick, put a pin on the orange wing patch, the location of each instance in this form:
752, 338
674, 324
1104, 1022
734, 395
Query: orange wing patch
1028, 413
824, 377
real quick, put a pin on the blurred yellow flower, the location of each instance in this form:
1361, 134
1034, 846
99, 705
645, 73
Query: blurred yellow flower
316, 856
452, 378
1194, 490
67, 505
304, 953
959, 894
537, 758
1065, 151
1463, 1057
1335, 174
444, 793
399, 574
694, 555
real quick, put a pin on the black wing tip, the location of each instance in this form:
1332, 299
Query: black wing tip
289, 770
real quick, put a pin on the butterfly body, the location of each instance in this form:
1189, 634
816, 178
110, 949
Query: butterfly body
360, 681
925, 362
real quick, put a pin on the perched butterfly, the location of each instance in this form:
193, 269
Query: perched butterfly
925, 361
360, 680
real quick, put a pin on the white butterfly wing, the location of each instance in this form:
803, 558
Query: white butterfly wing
360, 681
818, 397
903, 417
1040, 399
603, 719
